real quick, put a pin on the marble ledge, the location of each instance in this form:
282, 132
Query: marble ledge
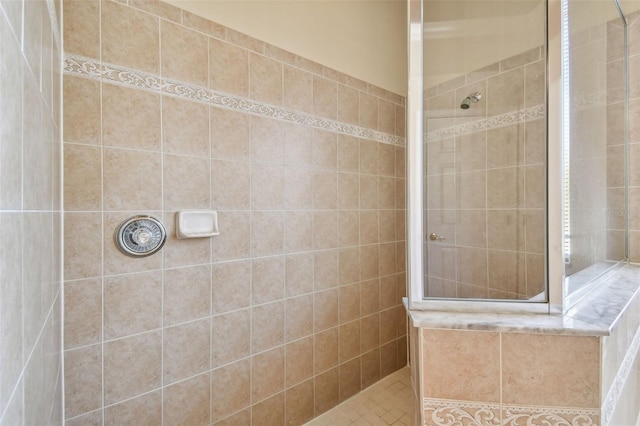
597, 314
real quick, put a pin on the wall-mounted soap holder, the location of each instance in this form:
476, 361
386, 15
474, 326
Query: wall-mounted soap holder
197, 224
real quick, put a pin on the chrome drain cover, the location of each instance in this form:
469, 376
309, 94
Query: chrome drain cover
140, 236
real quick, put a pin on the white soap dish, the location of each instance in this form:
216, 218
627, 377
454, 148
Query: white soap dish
197, 224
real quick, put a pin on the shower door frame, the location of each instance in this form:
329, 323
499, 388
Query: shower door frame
556, 72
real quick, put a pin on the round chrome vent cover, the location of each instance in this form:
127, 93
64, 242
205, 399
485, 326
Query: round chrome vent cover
140, 236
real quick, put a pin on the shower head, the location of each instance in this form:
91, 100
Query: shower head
472, 98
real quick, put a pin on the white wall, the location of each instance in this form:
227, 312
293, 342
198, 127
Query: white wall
363, 38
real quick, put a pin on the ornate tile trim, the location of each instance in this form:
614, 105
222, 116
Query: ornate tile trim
438, 412
549, 416
89, 68
613, 396
502, 120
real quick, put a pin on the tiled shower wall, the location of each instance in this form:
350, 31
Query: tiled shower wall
296, 305
485, 182
30, 214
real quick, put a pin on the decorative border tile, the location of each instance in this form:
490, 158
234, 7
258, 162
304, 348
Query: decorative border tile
549, 416
615, 391
438, 412
493, 122
89, 68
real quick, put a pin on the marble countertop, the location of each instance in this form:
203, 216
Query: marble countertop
595, 315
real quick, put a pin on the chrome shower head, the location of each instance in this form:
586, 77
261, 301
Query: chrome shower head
473, 97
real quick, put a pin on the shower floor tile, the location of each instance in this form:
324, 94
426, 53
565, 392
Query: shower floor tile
387, 402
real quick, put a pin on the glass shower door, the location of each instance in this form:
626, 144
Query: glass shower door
484, 148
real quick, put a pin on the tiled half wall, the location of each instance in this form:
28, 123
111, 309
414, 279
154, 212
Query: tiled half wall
296, 306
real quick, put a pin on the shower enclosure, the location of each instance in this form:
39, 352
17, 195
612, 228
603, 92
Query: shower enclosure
516, 151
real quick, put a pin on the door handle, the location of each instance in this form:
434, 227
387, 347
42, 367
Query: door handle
436, 237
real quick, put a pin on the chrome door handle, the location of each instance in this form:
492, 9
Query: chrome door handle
436, 237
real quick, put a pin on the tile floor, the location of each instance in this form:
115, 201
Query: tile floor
387, 402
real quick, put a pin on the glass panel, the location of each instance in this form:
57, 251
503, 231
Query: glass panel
485, 149
594, 151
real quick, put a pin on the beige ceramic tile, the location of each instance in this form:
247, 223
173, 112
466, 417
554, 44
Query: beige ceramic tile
230, 185
243, 40
83, 378
369, 333
81, 110
142, 410
82, 178
267, 373
387, 197
132, 366
235, 243
324, 149
369, 192
130, 118
349, 303
229, 134
350, 379
267, 326
83, 313
203, 25
267, 279
186, 182
131, 180
348, 228
349, 264
348, 153
81, 20
299, 361
325, 187
325, 350
132, 304
268, 140
298, 317
130, 38
326, 269
388, 326
348, 105
267, 187
386, 117
269, 412
327, 388
298, 229
187, 65
186, 294
325, 98
231, 282
299, 407
265, 76
325, 309
228, 68
369, 262
230, 389
186, 350
505, 146
298, 149
349, 340
92, 419
83, 258
158, 8
460, 355
368, 115
230, 337
299, 274
267, 233
573, 356
188, 402
185, 127
298, 188
348, 191
240, 418
298, 89
325, 229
